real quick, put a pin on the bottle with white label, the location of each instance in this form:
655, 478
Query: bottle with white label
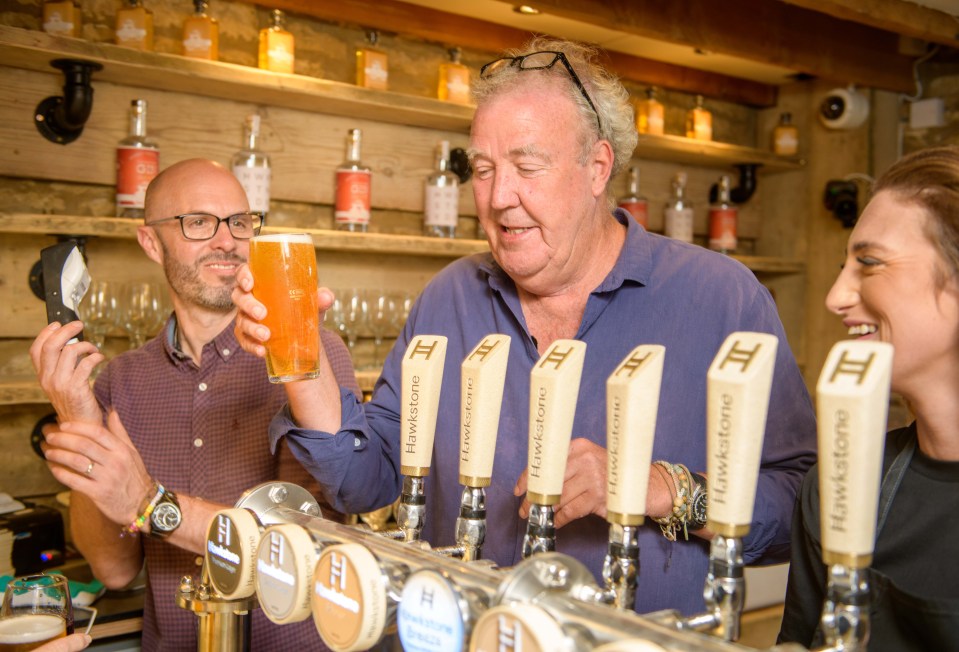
679, 212
353, 182
138, 161
252, 167
61, 17
723, 216
441, 201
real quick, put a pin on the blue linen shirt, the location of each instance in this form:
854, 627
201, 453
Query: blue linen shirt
660, 291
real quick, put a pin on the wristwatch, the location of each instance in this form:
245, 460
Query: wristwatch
166, 516
699, 500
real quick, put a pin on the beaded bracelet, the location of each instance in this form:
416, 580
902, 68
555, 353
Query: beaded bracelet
682, 503
141, 520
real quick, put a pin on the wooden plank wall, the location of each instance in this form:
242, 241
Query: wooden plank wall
37, 176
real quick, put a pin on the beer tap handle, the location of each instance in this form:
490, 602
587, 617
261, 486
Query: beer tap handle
422, 379
632, 402
554, 388
483, 378
737, 400
852, 399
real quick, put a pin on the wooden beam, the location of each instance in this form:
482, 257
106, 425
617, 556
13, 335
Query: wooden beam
906, 18
403, 18
759, 30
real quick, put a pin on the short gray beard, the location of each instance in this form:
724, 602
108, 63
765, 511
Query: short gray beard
185, 281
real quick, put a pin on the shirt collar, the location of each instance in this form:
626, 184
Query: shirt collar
634, 262
225, 344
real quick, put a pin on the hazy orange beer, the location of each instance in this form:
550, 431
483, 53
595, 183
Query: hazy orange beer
29, 631
284, 280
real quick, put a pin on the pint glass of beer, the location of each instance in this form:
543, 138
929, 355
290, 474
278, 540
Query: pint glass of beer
284, 280
36, 609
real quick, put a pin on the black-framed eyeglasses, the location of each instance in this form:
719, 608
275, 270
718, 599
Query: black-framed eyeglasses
203, 226
540, 61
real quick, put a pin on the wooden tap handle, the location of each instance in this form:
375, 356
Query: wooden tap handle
420, 401
481, 397
554, 388
632, 402
852, 400
737, 400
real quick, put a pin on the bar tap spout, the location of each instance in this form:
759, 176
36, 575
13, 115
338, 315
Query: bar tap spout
632, 401
422, 378
483, 376
852, 397
554, 388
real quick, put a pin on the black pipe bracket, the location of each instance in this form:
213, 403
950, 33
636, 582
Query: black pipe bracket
60, 119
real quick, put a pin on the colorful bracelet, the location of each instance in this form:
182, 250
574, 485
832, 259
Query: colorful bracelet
140, 521
682, 504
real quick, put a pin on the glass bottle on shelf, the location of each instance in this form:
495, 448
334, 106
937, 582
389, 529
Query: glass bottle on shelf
201, 34
372, 69
650, 115
699, 121
441, 203
138, 161
785, 137
723, 216
353, 181
61, 17
454, 85
276, 45
252, 167
633, 202
135, 26
678, 216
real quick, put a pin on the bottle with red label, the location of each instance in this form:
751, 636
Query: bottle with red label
635, 203
352, 209
138, 161
723, 216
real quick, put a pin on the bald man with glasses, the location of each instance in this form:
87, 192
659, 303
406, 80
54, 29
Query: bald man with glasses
187, 413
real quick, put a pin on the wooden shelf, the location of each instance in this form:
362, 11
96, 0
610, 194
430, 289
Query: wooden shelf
687, 151
769, 265
33, 50
324, 239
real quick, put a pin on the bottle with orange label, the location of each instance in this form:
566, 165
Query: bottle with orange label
138, 161
201, 34
61, 17
454, 83
372, 65
650, 115
633, 202
276, 46
353, 182
699, 121
723, 216
135, 26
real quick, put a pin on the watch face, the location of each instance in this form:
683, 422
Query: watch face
166, 517
699, 508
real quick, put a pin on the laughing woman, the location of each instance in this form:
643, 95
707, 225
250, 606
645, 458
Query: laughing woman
900, 284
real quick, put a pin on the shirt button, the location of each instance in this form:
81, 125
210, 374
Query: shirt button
356, 442
197, 442
202, 387
226, 351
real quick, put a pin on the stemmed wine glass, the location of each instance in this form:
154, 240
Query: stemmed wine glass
144, 309
349, 314
380, 319
98, 310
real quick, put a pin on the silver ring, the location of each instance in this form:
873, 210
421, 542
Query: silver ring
89, 470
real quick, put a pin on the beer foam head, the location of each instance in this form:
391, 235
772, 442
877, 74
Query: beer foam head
30, 628
293, 238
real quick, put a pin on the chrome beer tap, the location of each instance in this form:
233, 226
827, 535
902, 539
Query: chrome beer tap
422, 379
554, 388
481, 397
632, 402
852, 397
737, 401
